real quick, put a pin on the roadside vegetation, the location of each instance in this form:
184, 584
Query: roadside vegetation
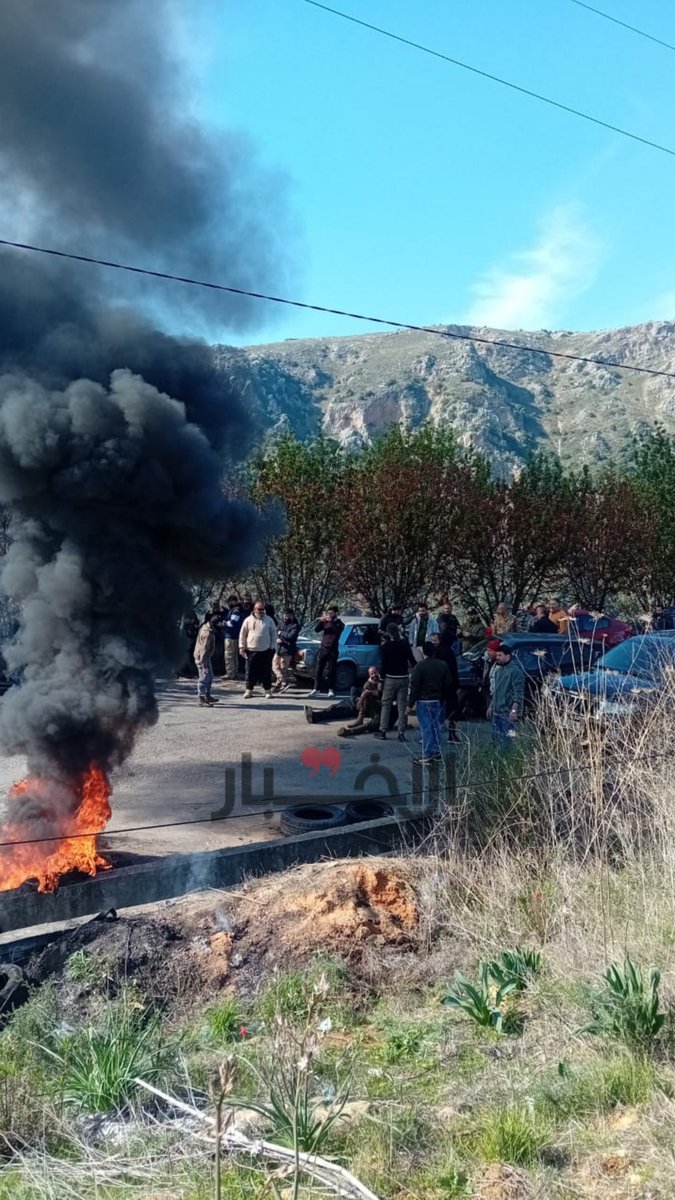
600, 539
522, 1044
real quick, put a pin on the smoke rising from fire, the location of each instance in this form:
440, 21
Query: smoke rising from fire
113, 434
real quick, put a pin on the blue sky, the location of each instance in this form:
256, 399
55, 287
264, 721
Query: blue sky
421, 192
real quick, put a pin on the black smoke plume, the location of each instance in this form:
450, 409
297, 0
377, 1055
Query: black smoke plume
114, 435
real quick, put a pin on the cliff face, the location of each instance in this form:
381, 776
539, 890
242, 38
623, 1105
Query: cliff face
505, 402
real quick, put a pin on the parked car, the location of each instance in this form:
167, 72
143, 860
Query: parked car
539, 654
359, 648
621, 679
608, 631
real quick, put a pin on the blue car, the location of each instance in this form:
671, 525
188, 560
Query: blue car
620, 679
359, 649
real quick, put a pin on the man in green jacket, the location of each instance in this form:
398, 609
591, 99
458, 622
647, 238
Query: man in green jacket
507, 693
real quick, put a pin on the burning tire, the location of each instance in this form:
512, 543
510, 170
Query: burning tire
306, 818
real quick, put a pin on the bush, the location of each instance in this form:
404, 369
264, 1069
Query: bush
487, 1001
97, 1067
627, 1007
516, 1134
224, 1022
578, 1093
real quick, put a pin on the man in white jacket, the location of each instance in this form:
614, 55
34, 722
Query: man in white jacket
420, 629
257, 643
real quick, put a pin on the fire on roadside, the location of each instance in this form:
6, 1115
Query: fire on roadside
72, 847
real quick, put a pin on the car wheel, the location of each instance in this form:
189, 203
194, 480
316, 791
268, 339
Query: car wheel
345, 678
305, 818
301, 681
367, 810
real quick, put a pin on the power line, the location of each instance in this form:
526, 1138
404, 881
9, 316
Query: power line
466, 786
340, 312
516, 87
624, 24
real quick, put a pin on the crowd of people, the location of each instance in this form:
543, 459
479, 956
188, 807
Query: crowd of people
418, 662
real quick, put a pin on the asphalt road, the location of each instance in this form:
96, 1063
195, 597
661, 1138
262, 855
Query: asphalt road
177, 771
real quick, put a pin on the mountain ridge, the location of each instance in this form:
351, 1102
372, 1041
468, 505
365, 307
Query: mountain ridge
505, 401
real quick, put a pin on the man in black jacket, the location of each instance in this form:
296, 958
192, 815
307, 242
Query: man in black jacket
397, 657
541, 623
330, 627
430, 690
444, 650
394, 616
287, 640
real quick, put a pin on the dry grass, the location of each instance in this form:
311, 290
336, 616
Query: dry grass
566, 845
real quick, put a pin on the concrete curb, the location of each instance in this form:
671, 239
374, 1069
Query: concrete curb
175, 875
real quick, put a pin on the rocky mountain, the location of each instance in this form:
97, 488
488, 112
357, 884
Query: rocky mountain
506, 402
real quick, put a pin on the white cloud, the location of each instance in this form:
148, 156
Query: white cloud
534, 288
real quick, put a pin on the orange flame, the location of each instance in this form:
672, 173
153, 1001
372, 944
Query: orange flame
47, 861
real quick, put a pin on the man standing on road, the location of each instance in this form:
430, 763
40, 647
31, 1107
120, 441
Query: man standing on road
448, 625
557, 614
203, 654
257, 642
430, 687
473, 630
542, 623
503, 621
287, 640
445, 652
330, 627
231, 631
420, 630
507, 693
396, 659
393, 616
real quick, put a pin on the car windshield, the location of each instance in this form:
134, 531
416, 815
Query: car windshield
639, 656
309, 634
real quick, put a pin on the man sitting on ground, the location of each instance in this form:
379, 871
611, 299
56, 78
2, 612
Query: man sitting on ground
366, 706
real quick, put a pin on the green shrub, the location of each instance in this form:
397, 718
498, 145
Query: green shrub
97, 1067
224, 1021
83, 968
516, 1134
581, 1092
522, 965
487, 1001
626, 1008
286, 995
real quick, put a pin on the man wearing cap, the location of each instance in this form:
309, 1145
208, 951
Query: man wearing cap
507, 692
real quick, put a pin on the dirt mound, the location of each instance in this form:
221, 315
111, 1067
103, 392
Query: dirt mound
335, 907
194, 945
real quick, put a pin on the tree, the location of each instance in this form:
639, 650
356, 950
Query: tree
402, 509
516, 535
611, 542
654, 474
299, 566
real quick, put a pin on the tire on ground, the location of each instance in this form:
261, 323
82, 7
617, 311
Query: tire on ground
367, 810
306, 818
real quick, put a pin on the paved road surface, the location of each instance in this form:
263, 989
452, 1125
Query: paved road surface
177, 770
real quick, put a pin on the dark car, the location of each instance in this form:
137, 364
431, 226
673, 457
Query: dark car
621, 680
539, 654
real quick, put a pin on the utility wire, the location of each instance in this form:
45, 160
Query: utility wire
340, 312
624, 24
468, 786
515, 87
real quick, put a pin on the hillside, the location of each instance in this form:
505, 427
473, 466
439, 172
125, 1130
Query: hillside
505, 402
